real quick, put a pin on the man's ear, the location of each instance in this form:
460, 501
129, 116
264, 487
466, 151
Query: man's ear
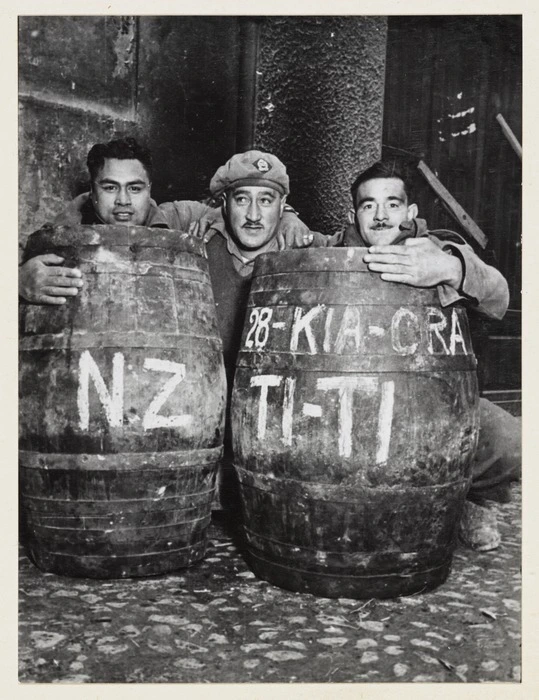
224, 203
283, 202
412, 211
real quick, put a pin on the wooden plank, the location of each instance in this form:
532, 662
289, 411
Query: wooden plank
509, 135
464, 219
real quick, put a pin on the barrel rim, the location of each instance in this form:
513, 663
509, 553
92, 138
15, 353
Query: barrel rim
307, 260
112, 235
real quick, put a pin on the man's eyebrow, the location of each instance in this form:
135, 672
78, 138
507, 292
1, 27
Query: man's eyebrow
371, 199
365, 199
109, 180
265, 191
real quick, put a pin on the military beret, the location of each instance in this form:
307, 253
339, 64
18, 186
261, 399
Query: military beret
251, 168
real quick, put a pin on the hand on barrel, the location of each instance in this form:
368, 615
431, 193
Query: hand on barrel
419, 263
43, 280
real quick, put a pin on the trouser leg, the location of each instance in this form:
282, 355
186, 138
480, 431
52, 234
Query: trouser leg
498, 460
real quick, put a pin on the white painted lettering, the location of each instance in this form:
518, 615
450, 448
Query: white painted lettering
302, 323
253, 320
327, 329
377, 331
457, 336
396, 341
385, 420
312, 409
112, 402
346, 385
262, 332
435, 328
349, 329
151, 418
264, 381
288, 408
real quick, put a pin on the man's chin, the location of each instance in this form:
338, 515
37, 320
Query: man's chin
126, 222
252, 243
383, 237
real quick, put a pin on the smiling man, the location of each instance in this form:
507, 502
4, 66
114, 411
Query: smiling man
402, 249
120, 193
120, 185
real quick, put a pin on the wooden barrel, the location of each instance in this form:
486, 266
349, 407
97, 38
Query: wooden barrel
122, 398
354, 419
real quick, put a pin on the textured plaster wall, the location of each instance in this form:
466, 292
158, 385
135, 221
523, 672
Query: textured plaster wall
76, 87
170, 81
320, 106
53, 144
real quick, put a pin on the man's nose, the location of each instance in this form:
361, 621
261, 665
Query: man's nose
122, 196
253, 211
380, 213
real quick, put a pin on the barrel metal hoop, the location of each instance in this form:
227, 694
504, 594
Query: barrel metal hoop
110, 339
123, 461
327, 492
118, 530
109, 559
352, 577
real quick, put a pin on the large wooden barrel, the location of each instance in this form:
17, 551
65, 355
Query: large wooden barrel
354, 419
122, 398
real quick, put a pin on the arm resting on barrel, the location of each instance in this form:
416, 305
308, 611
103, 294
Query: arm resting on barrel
43, 280
458, 273
482, 286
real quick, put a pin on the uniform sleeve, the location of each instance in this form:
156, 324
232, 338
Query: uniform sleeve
482, 285
181, 214
292, 227
72, 214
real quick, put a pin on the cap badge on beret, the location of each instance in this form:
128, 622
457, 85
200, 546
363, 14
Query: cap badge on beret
262, 165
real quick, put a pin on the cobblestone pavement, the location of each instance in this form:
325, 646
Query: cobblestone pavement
216, 622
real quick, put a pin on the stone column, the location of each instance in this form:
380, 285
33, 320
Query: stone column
320, 100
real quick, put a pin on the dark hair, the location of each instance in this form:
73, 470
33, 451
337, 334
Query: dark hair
383, 169
123, 149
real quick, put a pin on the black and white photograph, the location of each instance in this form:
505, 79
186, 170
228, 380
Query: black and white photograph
269, 349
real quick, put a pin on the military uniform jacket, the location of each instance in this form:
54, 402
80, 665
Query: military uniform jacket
483, 286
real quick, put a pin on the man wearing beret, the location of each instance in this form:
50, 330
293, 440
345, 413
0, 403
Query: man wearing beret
252, 188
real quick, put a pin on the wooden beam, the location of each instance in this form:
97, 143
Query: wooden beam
509, 135
464, 219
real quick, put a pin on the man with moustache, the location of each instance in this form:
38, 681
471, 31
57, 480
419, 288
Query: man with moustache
402, 249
